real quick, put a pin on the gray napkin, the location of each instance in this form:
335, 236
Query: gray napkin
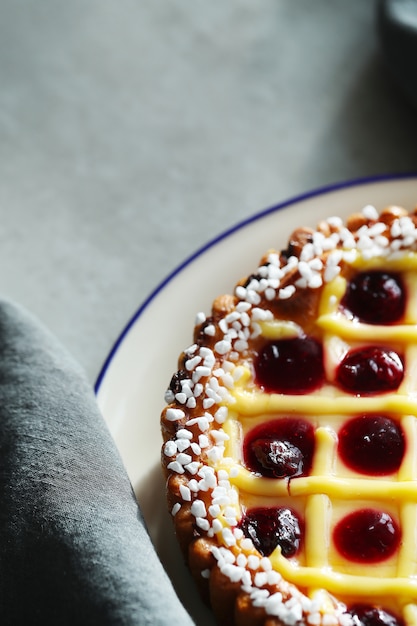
73, 545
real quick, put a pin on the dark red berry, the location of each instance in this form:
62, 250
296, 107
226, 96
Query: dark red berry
365, 615
280, 448
367, 536
280, 458
271, 527
370, 370
375, 297
175, 384
290, 366
372, 444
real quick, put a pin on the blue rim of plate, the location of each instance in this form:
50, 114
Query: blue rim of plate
357, 182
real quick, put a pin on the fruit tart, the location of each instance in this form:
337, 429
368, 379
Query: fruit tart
290, 432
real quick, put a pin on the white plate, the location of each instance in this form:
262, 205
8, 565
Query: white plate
131, 385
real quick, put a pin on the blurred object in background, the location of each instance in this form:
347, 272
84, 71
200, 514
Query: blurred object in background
397, 26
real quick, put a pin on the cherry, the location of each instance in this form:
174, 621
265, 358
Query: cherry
290, 365
175, 383
280, 448
280, 458
364, 615
269, 527
375, 297
367, 536
372, 444
370, 370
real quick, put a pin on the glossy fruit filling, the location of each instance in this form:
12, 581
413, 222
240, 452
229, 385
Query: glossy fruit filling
372, 444
281, 448
269, 527
365, 615
370, 369
290, 366
375, 297
367, 536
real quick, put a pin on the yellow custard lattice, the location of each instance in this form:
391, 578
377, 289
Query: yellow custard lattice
332, 490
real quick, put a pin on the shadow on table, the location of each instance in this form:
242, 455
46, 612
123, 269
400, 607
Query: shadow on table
374, 131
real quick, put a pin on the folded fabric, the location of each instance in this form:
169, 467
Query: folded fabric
73, 545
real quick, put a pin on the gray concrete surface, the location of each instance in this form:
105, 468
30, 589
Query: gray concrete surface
131, 132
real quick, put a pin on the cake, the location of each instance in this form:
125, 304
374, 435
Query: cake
290, 432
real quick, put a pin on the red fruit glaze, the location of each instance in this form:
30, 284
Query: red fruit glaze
365, 615
367, 536
372, 444
370, 370
375, 297
269, 527
282, 448
290, 366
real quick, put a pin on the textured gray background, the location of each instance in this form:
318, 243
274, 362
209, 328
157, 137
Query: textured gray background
131, 132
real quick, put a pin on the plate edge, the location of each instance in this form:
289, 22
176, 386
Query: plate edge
302, 197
